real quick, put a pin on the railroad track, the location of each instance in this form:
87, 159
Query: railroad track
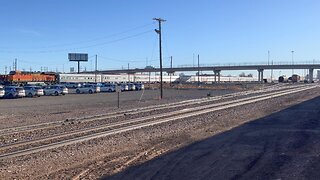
30, 134
123, 126
111, 115
124, 122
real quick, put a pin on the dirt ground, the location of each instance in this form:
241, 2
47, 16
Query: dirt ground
19, 112
282, 145
279, 140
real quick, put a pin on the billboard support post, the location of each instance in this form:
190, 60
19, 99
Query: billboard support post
78, 57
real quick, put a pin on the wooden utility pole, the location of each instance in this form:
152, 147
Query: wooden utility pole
158, 31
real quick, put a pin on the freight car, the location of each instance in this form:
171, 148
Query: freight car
283, 79
295, 78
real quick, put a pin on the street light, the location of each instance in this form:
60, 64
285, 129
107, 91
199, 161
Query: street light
292, 62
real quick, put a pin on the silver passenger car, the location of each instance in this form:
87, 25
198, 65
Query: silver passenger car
108, 87
139, 86
88, 88
2, 92
55, 90
131, 87
124, 87
32, 91
14, 92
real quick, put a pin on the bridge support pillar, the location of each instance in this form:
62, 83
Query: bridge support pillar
310, 75
260, 75
170, 73
217, 73
133, 77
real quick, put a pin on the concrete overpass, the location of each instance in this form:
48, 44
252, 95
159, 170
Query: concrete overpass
217, 69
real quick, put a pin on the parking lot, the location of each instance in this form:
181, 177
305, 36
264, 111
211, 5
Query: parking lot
23, 111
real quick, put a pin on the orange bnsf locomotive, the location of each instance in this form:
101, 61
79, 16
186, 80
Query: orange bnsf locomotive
18, 77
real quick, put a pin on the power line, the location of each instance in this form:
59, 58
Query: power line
92, 40
121, 60
100, 38
154, 47
83, 47
166, 47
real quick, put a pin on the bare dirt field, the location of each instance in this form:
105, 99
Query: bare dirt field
273, 139
19, 112
282, 145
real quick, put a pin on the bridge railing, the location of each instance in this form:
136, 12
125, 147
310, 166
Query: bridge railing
249, 64
227, 64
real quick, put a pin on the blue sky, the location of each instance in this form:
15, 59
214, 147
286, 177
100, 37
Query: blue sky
40, 33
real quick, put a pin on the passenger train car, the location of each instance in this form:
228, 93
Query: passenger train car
207, 79
145, 78
115, 78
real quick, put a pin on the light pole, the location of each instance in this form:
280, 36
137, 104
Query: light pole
198, 70
128, 72
171, 70
158, 31
292, 62
271, 71
268, 57
96, 69
269, 64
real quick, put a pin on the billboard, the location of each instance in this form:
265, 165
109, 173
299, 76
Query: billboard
78, 57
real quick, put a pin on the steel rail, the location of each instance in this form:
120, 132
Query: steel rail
144, 124
124, 122
12, 130
95, 128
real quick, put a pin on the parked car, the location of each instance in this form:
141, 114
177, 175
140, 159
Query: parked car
14, 92
124, 87
139, 86
88, 88
64, 89
2, 92
40, 91
55, 90
131, 87
72, 85
108, 87
32, 91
